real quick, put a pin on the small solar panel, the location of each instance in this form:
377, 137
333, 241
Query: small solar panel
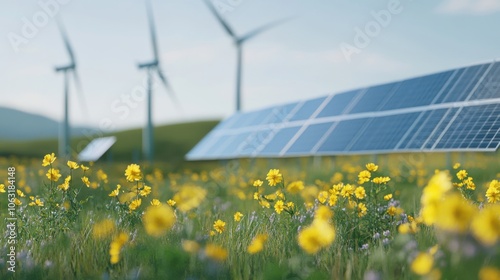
96, 148
455, 110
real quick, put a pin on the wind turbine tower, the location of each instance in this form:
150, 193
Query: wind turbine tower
151, 68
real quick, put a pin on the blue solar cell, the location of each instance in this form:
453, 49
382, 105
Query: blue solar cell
202, 147
216, 147
417, 92
450, 84
307, 109
422, 130
384, 133
467, 81
490, 86
440, 128
342, 135
470, 128
279, 141
280, 114
337, 105
309, 138
233, 145
374, 98
255, 141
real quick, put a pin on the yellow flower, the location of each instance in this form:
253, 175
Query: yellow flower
133, 173
264, 203
279, 206
155, 202
323, 214
322, 197
381, 180
362, 210
171, 202
388, 197
134, 204
347, 190
219, 226
372, 167
332, 201
469, 183
295, 187
238, 216
462, 174
432, 195
84, 168
38, 202
456, 166
392, 211
257, 244
422, 264
493, 192
158, 220
486, 225
257, 183
86, 181
190, 246
360, 193
212, 233
189, 197
318, 235
48, 159
407, 228
116, 191
116, 246
17, 201
455, 214
290, 205
2, 188
72, 164
145, 191
20, 193
65, 186
53, 174
364, 176
274, 177
103, 229
489, 273
216, 252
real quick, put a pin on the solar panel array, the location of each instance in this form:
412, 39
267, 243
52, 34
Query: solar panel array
449, 111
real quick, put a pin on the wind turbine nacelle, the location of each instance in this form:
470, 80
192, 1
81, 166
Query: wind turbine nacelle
65, 68
148, 65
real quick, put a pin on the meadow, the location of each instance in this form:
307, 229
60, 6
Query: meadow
401, 216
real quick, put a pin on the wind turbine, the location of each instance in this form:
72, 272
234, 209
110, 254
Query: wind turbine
239, 41
64, 135
151, 67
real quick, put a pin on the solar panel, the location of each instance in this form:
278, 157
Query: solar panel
455, 110
96, 148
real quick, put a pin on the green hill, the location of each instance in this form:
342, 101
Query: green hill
172, 142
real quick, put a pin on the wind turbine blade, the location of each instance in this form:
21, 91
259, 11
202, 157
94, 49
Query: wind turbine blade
152, 29
261, 29
66, 42
169, 89
79, 93
220, 19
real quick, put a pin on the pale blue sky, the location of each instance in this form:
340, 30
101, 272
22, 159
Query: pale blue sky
298, 60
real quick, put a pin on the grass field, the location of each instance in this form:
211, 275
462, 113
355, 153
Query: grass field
306, 218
